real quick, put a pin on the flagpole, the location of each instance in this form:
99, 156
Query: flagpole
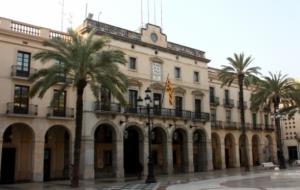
163, 96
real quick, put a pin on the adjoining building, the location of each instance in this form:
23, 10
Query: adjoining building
200, 132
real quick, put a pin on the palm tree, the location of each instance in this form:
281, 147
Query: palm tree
85, 63
274, 90
239, 70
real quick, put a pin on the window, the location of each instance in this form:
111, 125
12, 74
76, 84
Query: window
178, 105
266, 118
105, 96
212, 94
213, 115
226, 94
156, 71
228, 116
21, 99
59, 103
196, 76
254, 119
132, 63
61, 76
23, 64
197, 108
157, 108
132, 100
177, 73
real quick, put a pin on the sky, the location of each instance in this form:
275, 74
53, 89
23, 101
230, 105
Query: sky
268, 30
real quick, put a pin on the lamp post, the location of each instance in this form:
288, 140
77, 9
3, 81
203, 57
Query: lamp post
276, 115
148, 101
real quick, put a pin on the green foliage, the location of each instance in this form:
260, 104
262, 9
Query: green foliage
83, 59
275, 89
238, 68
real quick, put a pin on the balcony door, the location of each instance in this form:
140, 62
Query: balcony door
21, 99
157, 108
59, 104
23, 64
105, 99
132, 100
226, 94
212, 94
178, 106
198, 108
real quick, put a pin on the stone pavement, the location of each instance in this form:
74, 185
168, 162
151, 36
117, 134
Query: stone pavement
234, 179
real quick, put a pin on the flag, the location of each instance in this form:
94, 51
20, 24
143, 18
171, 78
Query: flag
169, 89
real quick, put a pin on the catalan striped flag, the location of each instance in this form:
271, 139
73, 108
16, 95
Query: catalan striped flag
169, 89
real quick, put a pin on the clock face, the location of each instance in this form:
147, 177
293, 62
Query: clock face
156, 71
154, 37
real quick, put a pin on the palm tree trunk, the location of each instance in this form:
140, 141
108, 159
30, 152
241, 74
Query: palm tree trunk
243, 126
78, 132
278, 134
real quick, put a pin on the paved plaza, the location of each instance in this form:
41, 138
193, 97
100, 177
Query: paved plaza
213, 180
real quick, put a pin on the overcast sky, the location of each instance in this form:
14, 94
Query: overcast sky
266, 29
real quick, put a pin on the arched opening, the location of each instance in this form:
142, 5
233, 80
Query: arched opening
229, 151
268, 149
199, 151
57, 153
159, 147
105, 151
255, 150
179, 147
242, 146
17, 154
133, 151
216, 151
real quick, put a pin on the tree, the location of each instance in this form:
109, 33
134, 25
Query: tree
84, 62
238, 70
275, 90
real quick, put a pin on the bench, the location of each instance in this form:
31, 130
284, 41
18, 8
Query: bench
269, 165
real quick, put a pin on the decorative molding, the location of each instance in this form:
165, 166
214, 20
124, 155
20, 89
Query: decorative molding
134, 82
156, 60
197, 93
179, 90
157, 86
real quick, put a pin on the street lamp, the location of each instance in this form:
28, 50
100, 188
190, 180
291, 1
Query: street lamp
148, 102
276, 115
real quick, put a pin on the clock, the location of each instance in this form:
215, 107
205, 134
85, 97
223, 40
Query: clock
154, 37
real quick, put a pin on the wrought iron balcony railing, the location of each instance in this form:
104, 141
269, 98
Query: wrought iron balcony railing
214, 101
230, 125
245, 105
15, 108
228, 103
257, 126
107, 107
269, 127
22, 71
60, 112
216, 124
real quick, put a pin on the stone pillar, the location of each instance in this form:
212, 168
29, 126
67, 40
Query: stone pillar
87, 158
236, 164
169, 157
261, 155
38, 160
144, 155
223, 158
250, 154
190, 156
1, 144
209, 161
119, 159
274, 153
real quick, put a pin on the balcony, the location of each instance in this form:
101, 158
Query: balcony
257, 127
14, 108
269, 127
101, 107
228, 103
60, 112
18, 71
216, 124
200, 116
214, 101
245, 105
230, 125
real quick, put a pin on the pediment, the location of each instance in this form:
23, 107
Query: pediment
156, 60
197, 93
134, 82
179, 90
157, 86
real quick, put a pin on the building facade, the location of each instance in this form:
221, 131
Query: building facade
199, 132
